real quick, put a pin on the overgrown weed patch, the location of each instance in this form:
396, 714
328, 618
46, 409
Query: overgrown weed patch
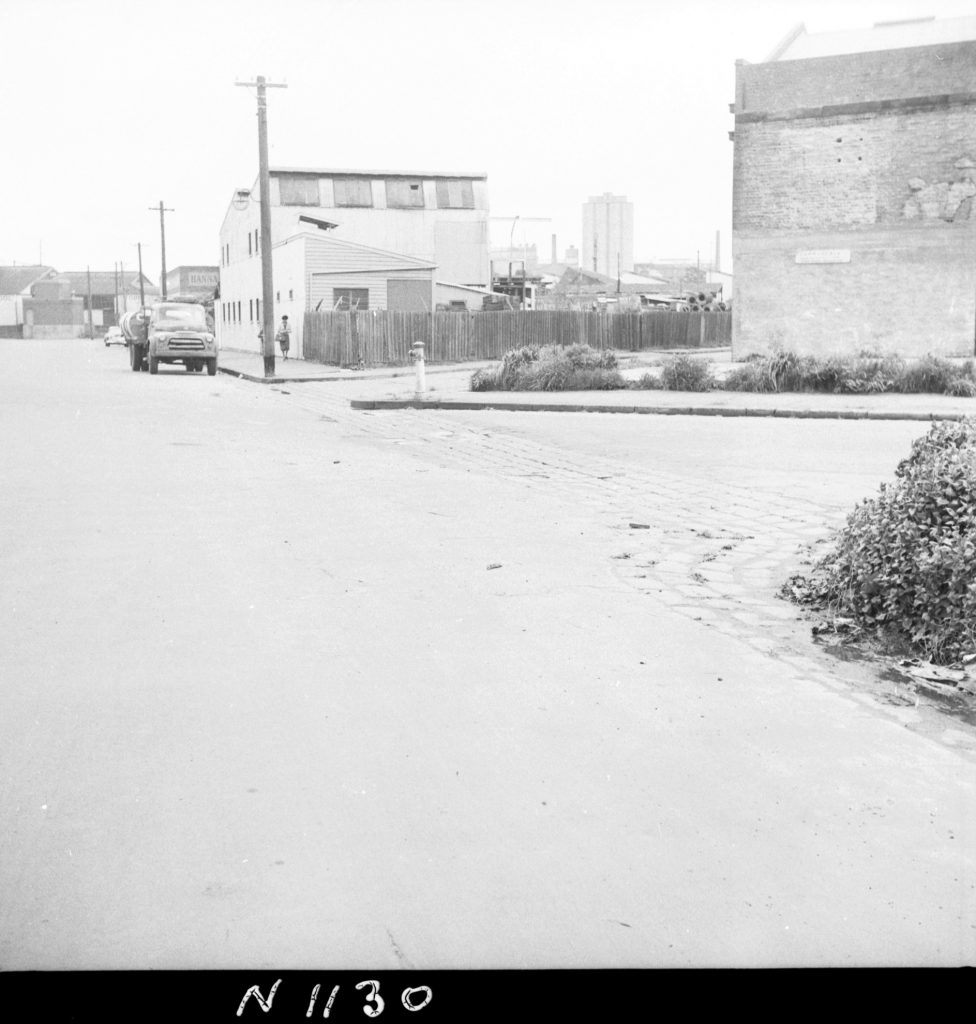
903, 567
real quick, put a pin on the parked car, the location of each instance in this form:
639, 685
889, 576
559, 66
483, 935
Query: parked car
114, 336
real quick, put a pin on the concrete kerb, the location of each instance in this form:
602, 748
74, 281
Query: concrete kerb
373, 404
254, 379
327, 378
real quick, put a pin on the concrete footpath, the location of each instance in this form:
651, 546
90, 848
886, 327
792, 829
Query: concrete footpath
447, 388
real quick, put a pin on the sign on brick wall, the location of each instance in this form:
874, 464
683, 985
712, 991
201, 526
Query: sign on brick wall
823, 256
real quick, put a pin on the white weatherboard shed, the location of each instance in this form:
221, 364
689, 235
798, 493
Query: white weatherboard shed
316, 271
414, 220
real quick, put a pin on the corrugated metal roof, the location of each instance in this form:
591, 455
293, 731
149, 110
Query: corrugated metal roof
885, 35
103, 282
331, 172
14, 280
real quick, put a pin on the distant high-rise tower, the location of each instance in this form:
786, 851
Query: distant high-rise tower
608, 234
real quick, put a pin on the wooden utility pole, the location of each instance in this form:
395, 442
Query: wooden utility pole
162, 243
267, 282
91, 318
142, 291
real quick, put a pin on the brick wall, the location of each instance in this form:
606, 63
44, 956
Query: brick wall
845, 171
857, 229
910, 290
856, 78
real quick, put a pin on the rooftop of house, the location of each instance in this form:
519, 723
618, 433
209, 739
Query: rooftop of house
105, 282
18, 279
883, 35
332, 172
577, 280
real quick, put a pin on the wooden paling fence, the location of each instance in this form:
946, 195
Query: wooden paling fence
382, 338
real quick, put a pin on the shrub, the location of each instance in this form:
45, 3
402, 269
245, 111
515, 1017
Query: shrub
582, 357
648, 382
596, 379
867, 373
942, 437
905, 562
485, 380
551, 368
962, 387
785, 369
685, 373
751, 376
930, 374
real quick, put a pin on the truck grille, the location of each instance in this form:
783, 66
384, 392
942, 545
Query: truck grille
185, 345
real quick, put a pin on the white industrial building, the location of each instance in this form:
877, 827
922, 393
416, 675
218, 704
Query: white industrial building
351, 239
608, 234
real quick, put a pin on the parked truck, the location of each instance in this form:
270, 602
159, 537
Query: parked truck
170, 332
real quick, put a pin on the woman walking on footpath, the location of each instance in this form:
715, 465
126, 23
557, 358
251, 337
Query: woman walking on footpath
283, 336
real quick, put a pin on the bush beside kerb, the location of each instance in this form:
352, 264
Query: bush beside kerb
904, 565
582, 368
552, 368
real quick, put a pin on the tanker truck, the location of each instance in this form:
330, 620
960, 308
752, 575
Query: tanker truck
170, 332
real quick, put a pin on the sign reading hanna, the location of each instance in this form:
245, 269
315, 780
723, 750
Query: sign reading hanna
823, 256
202, 278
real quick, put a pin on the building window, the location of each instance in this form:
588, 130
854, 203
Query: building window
455, 194
277, 296
353, 192
298, 190
250, 309
346, 299
249, 244
291, 294
257, 310
257, 240
404, 193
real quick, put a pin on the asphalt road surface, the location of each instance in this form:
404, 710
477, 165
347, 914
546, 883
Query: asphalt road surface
287, 685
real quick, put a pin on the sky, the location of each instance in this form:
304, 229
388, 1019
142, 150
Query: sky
108, 107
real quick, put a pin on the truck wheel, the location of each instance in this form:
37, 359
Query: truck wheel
153, 364
212, 367
135, 358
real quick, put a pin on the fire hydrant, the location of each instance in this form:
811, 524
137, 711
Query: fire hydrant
417, 352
